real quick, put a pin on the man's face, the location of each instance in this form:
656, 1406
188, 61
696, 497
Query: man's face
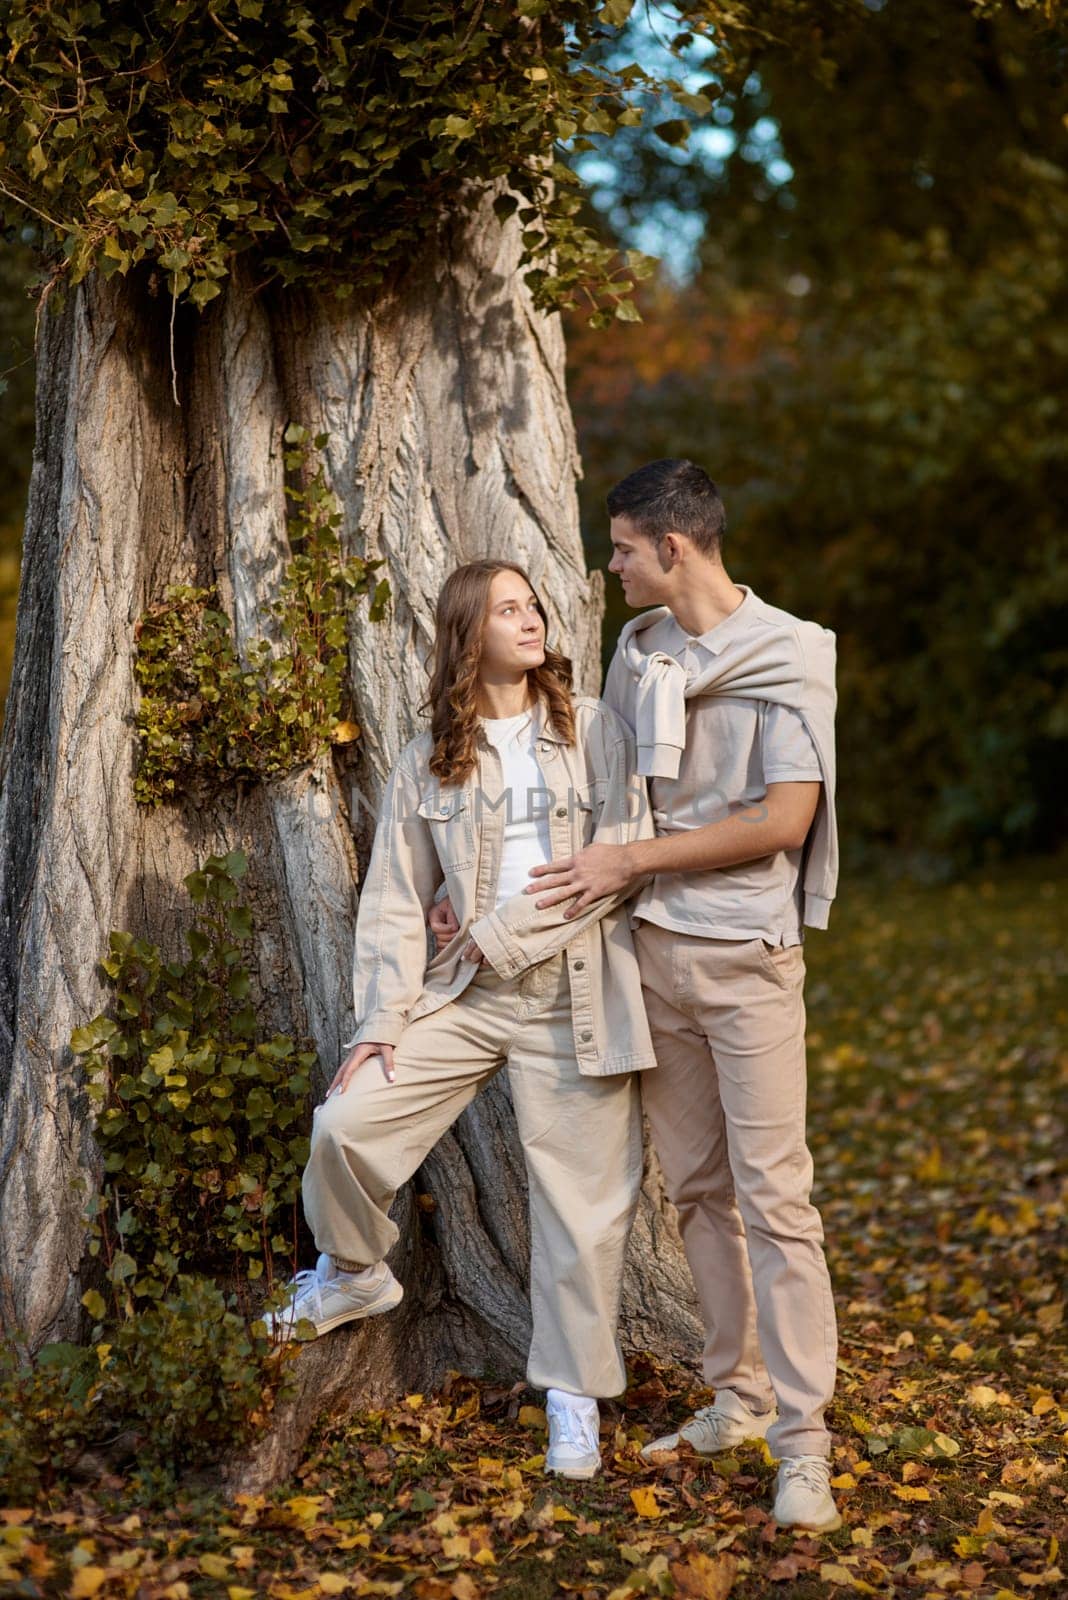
639, 565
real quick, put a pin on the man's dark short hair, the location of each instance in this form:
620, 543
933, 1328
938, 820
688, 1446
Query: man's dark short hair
671, 497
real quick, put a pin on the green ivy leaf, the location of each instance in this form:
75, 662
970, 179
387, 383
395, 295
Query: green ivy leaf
95, 1304
673, 132
614, 13
123, 1267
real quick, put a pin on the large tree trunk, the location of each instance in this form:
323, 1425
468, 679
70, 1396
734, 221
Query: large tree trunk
450, 438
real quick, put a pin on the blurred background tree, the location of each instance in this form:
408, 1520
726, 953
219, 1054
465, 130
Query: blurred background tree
860, 331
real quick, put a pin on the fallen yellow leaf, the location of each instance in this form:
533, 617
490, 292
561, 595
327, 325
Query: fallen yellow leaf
701, 1577
907, 1491
644, 1502
981, 1394
306, 1507
86, 1581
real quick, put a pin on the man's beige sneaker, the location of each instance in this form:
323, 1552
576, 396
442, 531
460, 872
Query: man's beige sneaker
328, 1297
803, 1496
721, 1426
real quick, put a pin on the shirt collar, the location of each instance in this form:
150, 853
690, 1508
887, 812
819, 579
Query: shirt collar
543, 728
719, 636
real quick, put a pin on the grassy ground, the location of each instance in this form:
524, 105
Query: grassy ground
938, 1087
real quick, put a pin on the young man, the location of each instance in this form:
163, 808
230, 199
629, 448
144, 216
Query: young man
732, 702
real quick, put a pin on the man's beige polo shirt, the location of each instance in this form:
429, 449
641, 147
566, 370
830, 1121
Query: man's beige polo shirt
735, 747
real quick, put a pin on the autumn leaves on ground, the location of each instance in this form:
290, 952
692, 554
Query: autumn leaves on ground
937, 1075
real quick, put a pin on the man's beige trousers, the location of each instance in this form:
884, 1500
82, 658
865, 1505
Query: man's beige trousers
726, 1107
581, 1138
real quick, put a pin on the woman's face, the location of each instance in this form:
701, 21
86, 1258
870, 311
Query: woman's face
513, 637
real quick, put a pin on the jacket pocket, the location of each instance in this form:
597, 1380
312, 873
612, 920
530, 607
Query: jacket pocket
448, 816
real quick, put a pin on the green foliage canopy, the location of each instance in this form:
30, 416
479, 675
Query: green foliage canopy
328, 139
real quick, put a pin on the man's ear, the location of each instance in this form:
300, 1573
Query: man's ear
671, 551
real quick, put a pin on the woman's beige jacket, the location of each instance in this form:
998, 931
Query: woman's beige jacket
431, 835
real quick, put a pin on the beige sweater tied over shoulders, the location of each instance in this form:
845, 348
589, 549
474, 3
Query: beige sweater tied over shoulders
781, 659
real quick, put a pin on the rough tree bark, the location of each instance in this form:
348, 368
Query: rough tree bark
450, 438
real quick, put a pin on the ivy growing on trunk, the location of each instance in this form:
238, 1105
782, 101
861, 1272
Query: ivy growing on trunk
201, 1128
206, 717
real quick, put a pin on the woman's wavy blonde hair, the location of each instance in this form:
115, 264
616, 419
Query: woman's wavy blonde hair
452, 697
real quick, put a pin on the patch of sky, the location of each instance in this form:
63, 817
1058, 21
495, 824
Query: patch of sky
666, 219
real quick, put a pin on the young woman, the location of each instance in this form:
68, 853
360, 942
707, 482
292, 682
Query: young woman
513, 773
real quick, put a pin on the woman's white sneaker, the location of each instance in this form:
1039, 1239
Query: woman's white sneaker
724, 1425
803, 1496
328, 1297
574, 1435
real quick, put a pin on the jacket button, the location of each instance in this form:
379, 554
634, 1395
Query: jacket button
585, 1037
577, 966
561, 811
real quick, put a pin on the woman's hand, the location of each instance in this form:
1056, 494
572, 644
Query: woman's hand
356, 1058
444, 924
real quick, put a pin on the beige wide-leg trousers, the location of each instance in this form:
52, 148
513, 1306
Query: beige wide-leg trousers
581, 1138
726, 1108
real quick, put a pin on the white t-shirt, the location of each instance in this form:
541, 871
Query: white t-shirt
526, 813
